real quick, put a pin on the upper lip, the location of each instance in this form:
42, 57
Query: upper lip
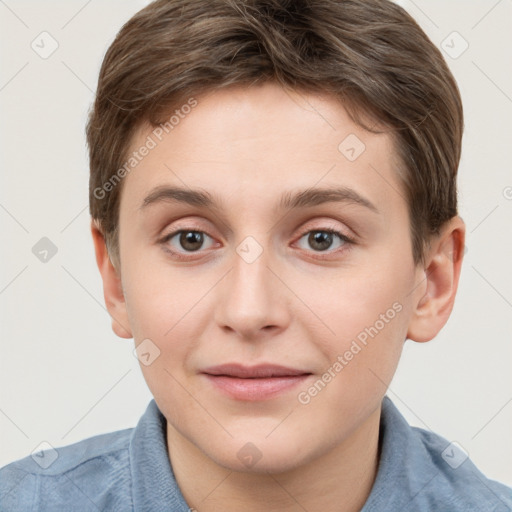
253, 372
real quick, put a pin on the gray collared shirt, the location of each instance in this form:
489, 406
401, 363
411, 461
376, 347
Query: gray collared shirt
129, 470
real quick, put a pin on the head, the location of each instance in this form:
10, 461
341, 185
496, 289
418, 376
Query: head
249, 108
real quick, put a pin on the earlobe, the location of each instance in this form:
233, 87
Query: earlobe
437, 296
112, 286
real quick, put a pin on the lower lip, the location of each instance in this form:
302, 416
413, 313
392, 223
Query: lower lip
255, 389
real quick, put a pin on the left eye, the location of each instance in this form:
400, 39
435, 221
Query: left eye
322, 239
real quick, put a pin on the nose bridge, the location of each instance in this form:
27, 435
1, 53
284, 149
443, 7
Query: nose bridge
251, 299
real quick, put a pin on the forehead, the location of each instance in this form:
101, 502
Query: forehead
243, 143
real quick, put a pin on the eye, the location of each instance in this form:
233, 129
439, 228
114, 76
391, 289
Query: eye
183, 243
186, 240
322, 240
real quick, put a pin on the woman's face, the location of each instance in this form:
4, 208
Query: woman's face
267, 270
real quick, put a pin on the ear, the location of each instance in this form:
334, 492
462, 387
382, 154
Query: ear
112, 286
434, 303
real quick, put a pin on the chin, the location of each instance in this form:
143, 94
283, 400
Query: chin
260, 456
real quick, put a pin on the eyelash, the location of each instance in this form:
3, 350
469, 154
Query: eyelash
348, 241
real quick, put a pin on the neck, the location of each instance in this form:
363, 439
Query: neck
340, 479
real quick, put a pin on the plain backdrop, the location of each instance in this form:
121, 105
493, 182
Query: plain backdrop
65, 376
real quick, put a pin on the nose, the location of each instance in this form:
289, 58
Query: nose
252, 301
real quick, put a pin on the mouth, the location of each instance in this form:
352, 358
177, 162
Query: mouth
254, 383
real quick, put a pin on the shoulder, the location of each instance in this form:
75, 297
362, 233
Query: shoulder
83, 474
422, 471
456, 479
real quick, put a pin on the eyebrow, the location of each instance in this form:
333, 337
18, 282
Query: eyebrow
289, 200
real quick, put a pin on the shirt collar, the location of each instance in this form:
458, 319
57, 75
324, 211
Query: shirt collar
154, 486
402, 464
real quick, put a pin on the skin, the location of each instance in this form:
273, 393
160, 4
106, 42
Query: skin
288, 307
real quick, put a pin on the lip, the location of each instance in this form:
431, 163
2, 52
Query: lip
254, 383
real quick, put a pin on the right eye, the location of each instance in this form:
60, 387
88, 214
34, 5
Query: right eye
185, 241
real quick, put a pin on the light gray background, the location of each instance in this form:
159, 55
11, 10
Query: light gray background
65, 376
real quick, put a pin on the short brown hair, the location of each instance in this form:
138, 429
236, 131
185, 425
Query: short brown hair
369, 54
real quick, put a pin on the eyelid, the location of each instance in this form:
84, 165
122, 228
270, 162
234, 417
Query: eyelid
189, 226
328, 225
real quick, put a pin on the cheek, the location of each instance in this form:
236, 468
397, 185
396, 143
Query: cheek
354, 302
166, 308
361, 358
367, 314
158, 297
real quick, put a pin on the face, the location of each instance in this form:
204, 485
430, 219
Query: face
274, 285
